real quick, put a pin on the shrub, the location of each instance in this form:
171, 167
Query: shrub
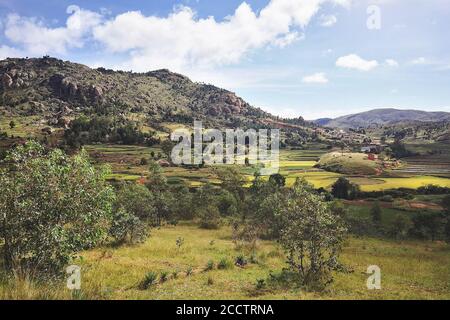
209, 217
224, 263
126, 227
240, 261
260, 284
189, 271
148, 281
400, 226
51, 206
344, 189
427, 225
375, 213
312, 236
163, 276
209, 266
143, 161
387, 198
179, 242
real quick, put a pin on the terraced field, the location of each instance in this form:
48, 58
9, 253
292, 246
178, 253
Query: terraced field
125, 164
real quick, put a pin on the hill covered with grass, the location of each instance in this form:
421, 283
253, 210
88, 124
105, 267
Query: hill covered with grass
56, 89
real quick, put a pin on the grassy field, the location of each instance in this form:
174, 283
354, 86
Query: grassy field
410, 270
125, 163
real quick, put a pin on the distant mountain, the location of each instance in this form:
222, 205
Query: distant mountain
384, 117
322, 121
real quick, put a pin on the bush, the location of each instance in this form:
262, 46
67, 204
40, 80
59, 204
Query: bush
240, 261
143, 162
387, 198
148, 281
312, 236
209, 266
400, 227
344, 189
126, 227
224, 263
429, 226
375, 212
260, 284
163, 276
209, 217
51, 206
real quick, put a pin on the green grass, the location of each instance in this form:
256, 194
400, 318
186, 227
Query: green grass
410, 270
349, 163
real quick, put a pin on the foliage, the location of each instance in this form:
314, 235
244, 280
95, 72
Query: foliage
344, 189
209, 217
224, 264
278, 179
311, 235
428, 225
51, 206
209, 265
400, 227
134, 211
240, 261
126, 227
375, 213
149, 280
105, 129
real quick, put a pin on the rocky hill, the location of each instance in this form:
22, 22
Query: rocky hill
379, 117
58, 89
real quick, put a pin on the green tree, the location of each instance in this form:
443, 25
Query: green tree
375, 213
446, 206
400, 226
278, 179
166, 147
51, 206
134, 212
311, 235
344, 189
232, 180
163, 198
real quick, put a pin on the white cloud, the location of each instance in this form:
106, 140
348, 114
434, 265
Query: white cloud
316, 78
392, 63
419, 61
328, 20
354, 61
37, 39
180, 41
8, 52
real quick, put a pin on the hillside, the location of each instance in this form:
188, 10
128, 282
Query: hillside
385, 117
53, 89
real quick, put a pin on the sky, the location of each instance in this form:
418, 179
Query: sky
309, 58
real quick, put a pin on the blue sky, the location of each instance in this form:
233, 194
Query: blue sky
310, 58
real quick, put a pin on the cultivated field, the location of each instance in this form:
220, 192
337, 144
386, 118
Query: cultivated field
125, 163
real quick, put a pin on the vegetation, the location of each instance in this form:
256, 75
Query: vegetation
51, 207
311, 235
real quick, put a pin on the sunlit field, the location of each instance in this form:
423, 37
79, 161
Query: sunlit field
410, 270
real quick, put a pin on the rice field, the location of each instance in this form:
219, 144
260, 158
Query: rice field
125, 164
